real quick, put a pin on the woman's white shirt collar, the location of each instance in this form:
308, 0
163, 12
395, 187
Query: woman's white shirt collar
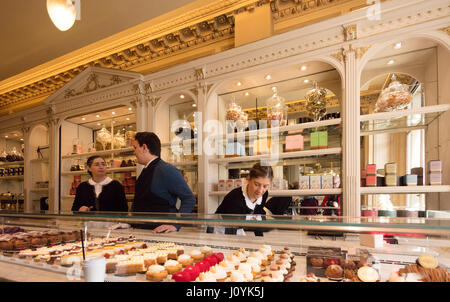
250, 205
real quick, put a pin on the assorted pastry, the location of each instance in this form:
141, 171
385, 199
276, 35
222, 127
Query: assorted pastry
426, 269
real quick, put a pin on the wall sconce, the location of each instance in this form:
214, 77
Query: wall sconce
63, 13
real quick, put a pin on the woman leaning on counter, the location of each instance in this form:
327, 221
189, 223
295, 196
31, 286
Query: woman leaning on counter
99, 193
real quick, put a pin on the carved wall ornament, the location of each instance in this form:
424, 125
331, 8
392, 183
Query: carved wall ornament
360, 51
200, 73
446, 29
154, 100
351, 32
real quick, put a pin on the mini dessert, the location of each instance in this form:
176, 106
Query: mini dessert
173, 266
53, 237
368, 274
236, 276
149, 259
309, 278
37, 239
267, 279
132, 266
69, 260
218, 273
161, 257
437, 274
316, 262
181, 277
180, 250
172, 254
235, 260
227, 266
264, 259
276, 274
193, 272
196, 255
255, 265
246, 270
22, 242
347, 264
185, 260
111, 264
427, 261
203, 266
156, 273
334, 271
6, 242
206, 277
206, 250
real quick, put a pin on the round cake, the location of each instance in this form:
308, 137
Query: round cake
334, 271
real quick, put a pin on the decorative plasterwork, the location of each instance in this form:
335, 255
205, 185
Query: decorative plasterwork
446, 29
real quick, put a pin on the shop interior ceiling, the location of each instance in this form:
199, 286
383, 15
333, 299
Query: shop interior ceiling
32, 46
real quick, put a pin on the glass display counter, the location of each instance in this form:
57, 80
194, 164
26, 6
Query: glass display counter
230, 247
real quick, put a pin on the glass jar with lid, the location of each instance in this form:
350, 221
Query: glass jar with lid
276, 110
104, 137
395, 97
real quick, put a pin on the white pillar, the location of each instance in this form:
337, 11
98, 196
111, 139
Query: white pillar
202, 162
53, 126
27, 181
351, 136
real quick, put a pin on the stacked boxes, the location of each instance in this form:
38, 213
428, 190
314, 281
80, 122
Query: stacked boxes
319, 140
419, 172
128, 183
76, 182
435, 172
230, 184
315, 182
390, 178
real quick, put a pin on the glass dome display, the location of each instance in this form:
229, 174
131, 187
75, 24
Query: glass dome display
395, 97
276, 110
316, 102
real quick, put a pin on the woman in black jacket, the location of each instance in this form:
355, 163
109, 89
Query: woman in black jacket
99, 193
250, 198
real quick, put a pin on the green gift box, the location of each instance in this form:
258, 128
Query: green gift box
323, 139
314, 141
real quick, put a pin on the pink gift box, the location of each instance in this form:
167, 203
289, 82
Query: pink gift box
294, 143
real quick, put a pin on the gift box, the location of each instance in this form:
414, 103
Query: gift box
261, 146
314, 140
435, 178
327, 181
229, 185
294, 143
336, 181
371, 169
408, 180
391, 180
304, 182
323, 139
371, 181
390, 168
435, 166
222, 185
315, 182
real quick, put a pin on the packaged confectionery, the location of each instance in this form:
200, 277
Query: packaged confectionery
314, 140
390, 168
294, 143
363, 174
229, 185
371, 169
435, 178
315, 182
418, 171
261, 146
380, 172
387, 213
323, 139
327, 181
391, 180
371, 181
304, 182
336, 181
369, 213
237, 183
408, 180
407, 213
435, 166
380, 181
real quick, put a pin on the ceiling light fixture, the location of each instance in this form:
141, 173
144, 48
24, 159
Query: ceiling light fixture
306, 81
239, 83
113, 113
6, 136
21, 139
398, 45
127, 118
98, 124
83, 118
246, 94
129, 108
194, 105
63, 13
97, 115
303, 68
181, 96
268, 77
390, 62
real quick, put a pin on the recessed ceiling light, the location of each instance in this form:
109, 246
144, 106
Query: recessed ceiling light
6, 136
194, 105
246, 94
398, 45
15, 134
83, 118
268, 77
127, 118
306, 81
239, 83
303, 68
390, 62
113, 113
129, 108
181, 96
98, 124
21, 139
97, 115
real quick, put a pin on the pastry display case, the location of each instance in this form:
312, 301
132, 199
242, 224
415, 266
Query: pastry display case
291, 248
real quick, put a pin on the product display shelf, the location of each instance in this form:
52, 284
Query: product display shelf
281, 155
105, 152
185, 141
39, 190
403, 120
110, 170
289, 193
39, 160
405, 189
12, 163
184, 164
292, 127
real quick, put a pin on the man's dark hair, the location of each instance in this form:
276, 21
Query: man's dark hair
151, 140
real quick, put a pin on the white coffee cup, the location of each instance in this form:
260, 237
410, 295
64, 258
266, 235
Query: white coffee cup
94, 269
